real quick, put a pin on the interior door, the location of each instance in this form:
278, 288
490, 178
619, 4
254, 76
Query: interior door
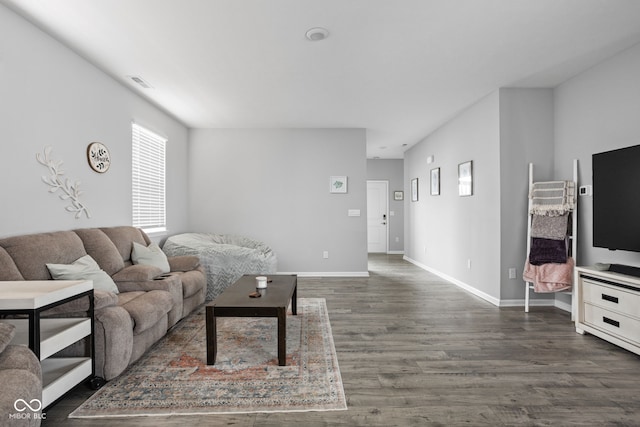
377, 216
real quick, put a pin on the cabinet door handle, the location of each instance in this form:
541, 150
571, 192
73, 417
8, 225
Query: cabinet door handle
611, 321
610, 298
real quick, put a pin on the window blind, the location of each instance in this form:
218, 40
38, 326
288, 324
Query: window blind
148, 179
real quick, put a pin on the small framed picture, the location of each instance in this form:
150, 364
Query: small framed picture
338, 184
414, 190
465, 178
398, 195
435, 182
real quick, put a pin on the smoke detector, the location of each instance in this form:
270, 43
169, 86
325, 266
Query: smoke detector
316, 34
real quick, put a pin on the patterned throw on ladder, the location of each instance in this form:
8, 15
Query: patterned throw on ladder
552, 198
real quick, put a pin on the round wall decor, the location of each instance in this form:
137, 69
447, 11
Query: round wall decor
98, 157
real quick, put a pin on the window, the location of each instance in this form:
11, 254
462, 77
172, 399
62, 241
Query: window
148, 180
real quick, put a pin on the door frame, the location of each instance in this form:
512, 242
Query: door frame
386, 183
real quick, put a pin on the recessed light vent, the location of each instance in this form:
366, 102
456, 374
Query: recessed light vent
317, 34
140, 81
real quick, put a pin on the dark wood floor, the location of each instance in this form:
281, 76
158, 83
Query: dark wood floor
415, 350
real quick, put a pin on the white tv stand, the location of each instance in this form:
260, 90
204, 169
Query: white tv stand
608, 306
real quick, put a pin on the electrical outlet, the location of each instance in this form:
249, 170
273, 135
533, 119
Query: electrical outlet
512, 273
325, 254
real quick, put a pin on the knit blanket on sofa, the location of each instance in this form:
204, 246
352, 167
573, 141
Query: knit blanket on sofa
225, 258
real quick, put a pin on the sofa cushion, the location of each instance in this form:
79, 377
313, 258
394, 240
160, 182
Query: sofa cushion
123, 237
192, 282
7, 332
8, 268
84, 268
145, 308
101, 248
150, 255
32, 252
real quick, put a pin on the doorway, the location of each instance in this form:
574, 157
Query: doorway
377, 216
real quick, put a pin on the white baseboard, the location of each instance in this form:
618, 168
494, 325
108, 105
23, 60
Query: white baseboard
561, 305
532, 303
327, 273
395, 252
536, 303
460, 284
495, 301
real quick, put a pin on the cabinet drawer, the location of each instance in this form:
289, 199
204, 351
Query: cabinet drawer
610, 297
615, 323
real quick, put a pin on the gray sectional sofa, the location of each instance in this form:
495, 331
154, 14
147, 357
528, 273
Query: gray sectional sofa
129, 321
21, 379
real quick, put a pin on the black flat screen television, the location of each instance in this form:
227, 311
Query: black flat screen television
616, 199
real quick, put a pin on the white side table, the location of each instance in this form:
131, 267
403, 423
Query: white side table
47, 336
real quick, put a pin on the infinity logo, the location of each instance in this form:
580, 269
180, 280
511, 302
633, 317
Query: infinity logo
27, 405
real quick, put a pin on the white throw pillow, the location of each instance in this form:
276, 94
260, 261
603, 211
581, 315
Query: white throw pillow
84, 268
150, 255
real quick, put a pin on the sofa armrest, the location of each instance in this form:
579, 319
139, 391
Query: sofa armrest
183, 262
165, 282
7, 332
137, 273
104, 299
79, 306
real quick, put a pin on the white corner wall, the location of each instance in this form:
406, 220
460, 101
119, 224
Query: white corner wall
51, 96
447, 232
273, 185
526, 136
502, 134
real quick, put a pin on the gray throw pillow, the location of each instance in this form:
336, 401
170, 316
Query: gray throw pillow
150, 255
84, 268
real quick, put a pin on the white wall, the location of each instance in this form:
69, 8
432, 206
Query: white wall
273, 185
391, 170
51, 96
526, 136
502, 134
444, 232
597, 111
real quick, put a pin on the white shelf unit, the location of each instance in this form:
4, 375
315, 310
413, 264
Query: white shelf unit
528, 286
608, 306
47, 336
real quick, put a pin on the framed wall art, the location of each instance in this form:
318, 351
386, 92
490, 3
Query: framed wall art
338, 184
398, 195
414, 190
465, 178
435, 182
98, 157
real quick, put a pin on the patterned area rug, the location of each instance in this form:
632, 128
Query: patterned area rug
173, 377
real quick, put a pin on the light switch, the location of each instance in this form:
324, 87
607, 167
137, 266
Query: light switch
354, 212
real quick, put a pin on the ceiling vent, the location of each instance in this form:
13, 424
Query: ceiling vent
140, 81
317, 34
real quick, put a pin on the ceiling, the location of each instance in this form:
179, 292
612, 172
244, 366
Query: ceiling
398, 68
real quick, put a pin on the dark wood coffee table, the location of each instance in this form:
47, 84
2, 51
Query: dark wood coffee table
235, 302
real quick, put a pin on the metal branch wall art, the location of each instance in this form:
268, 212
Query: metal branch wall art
70, 190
